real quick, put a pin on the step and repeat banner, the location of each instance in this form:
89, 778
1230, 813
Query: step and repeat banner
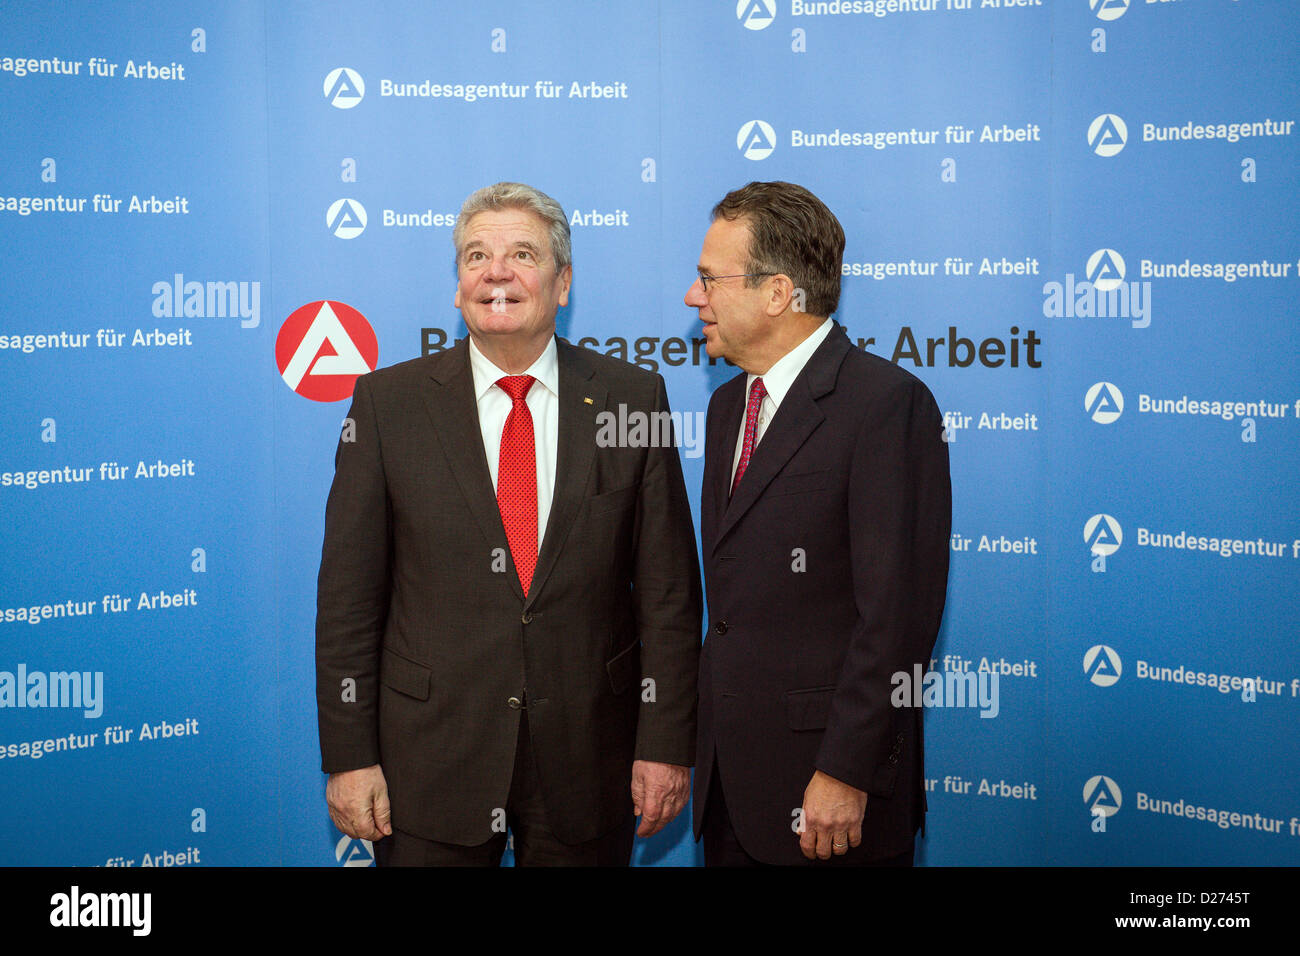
1075, 220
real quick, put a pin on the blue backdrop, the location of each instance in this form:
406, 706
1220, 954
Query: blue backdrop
1075, 220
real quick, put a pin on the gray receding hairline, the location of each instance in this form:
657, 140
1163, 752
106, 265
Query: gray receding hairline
518, 196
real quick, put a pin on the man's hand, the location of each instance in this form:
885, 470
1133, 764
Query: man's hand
358, 802
659, 791
832, 817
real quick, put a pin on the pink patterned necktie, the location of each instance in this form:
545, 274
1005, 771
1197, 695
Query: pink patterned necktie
756, 394
517, 479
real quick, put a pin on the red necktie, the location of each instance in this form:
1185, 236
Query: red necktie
517, 479
756, 394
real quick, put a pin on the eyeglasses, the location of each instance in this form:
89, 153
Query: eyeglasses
705, 279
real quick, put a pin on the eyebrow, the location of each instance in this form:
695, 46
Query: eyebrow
522, 244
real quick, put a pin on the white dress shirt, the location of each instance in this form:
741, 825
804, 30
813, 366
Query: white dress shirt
776, 382
543, 401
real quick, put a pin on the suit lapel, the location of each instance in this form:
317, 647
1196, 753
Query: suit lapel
796, 419
582, 398
453, 410
722, 449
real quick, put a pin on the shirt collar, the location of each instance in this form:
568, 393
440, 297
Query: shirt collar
778, 379
486, 374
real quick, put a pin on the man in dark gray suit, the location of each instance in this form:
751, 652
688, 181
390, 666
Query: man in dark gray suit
825, 518
508, 613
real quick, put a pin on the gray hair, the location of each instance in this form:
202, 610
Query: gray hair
518, 196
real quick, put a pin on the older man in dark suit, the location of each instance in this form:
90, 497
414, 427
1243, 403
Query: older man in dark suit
825, 515
509, 611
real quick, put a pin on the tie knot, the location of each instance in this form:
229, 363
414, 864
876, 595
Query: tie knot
756, 391
516, 386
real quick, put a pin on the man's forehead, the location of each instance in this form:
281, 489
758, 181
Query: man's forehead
726, 242
511, 224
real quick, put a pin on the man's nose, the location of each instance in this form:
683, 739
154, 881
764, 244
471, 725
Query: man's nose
695, 294
499, 267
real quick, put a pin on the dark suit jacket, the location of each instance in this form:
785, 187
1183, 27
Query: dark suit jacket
420, 605
825, 575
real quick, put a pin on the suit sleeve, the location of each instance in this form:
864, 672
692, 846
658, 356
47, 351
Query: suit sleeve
900, 517
352, 594
667, 603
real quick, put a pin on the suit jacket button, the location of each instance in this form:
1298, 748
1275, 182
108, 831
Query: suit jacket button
893, 759
899, 740
721, 627
527, 618
515, 703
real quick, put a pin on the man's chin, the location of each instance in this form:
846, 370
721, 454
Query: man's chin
712, 347
498, 323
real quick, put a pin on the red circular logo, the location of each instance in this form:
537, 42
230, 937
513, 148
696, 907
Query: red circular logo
322, 348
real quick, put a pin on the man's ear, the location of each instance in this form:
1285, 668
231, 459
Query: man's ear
781, 292
566, 280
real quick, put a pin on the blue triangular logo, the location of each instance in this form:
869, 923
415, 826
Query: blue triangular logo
1102, 665
757, 140
344, 86
1106, 269
346, 218
1104, 403
1102, 534
1108, 135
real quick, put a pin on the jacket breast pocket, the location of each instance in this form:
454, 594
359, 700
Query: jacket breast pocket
808, 709
405, 676
612, 502
798, 483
